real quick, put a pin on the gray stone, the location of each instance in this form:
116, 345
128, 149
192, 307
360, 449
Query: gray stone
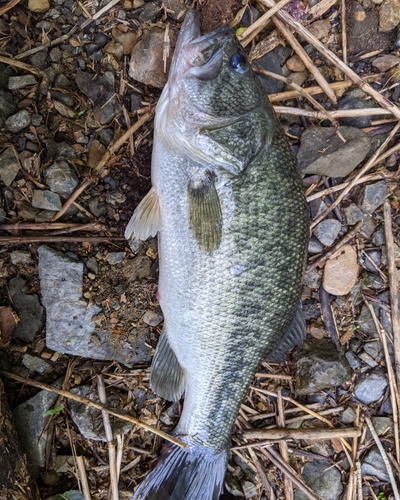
20, 82
319, 366
39, 60
115, 257
353, 360
375, 257
151, 12
55, 55
249, 489
61, 178
374, 281
45, 216
61, 81
373, 465
381, 426
272, 61
96, 208
353, 102
232, 485
7, 107
313, 279
36, 364
30, 421
314, 246
89, 420
104, 113
324, 479
9, 166
176, 9
28, 308
348, 416
87, 85
64, 98
27, 212
92, 265
146, 64
327, 231
370, 386
19, 121
21, 257
365, 321
373, 196
46, 200
153, 319
106, 135
352, 214
368, 360
323, 152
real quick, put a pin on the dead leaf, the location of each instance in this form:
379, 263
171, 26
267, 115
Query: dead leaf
8, 322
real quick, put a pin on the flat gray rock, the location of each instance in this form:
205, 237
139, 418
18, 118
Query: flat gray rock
353, 214
61, 178
9, 166
323, 152
36, 364
20, 82
16, 123
373, 196
30, 420
319, 366
324, 479
46, 200
373, 465
327, 231
370, 386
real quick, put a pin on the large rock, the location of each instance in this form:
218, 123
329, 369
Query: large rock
319, 366
323, 152
147, 65
373, 465
389, 15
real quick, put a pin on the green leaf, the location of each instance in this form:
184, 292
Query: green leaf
239, 31
80, 113
55, 410
381, 496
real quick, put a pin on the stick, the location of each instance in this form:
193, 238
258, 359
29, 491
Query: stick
305, 58
104, 161
26, 67
363, 171
393, 286
9, 6
44, 46
82, 474
98, 14
110, 439
344, 32
307, 434
327, 255
283, 446
384, 457
304, 33
98, 406
22, 240
340, 113
51, 226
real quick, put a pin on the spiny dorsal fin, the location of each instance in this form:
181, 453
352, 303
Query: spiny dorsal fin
146, 219
167, 375
205, 212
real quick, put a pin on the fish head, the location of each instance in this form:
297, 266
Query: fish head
213, 106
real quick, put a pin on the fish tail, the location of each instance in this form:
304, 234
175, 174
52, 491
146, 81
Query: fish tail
194, 473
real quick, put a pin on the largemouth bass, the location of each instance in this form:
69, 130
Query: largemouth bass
232, 222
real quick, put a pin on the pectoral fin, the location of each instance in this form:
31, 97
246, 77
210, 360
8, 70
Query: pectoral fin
167, 375
205, 212
146, 219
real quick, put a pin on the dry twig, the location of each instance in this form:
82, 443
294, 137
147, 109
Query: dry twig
278, 434
83, 477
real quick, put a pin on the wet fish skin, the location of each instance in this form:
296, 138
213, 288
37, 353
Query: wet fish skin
228, 204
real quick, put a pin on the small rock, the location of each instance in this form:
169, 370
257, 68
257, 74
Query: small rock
389, 15
39, 60
127, 40
87, 85
373, 465
61, 81
46, 200
16, 123
319, 366
340, 272
327, 231
249, 489
115, 49
96, 208
381, 426
106, 113
9, 166
21, 257
61, 178
313, 279
7, 107
373, 196
39, 6
35, 364
92, 265
348, 416
353, 214
45, 216
370, 386
368, 360
146, 64
298, 78
374, 258
153, 319
353, 360
272, 61
385, 62
294, 63
354, 102
28, 308
314, 246
20, 82
115, 257
176, 9
151, 12
323, 152
324, 479
320, 29
27, 212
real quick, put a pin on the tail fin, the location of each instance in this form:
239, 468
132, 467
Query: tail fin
194, 473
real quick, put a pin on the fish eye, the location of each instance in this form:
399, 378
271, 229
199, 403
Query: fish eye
239, 63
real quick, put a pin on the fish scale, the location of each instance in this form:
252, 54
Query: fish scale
232, 224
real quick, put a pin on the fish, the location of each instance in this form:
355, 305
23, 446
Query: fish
228, 207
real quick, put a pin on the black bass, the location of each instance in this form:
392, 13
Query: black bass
232, 222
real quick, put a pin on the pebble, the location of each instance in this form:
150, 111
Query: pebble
373, 465
9, 167
61, 178
373, 196
320, 29
39, 6
106, 113
370, 386
28, 308
324, 479
319, 366
375, 256
249, 489
389, 15
153, 319
294, 63
20, 82
96, 208
381, 426
146, 64
314, 246
93, 265
56, 150
16, 123
46, 200
353, 360
327, 231
21, 257
354, 102
348, 416
87, 85
272, 61
368, 360
353, 214
323, 152
115, 49
151, 12
176, 9
232, 484
313, 279
385, 62
35, 364
127, 40
61, 81
115, 257
27, 212
340, 272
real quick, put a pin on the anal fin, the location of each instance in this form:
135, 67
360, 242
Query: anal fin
295, 335
146, 219
167, 375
